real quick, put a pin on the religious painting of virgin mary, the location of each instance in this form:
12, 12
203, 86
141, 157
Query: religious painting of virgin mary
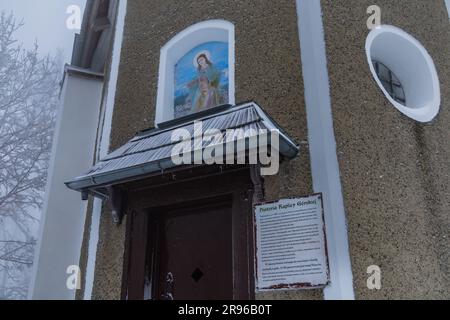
201, 79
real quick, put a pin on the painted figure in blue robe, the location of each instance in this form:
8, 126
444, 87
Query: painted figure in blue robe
204, 89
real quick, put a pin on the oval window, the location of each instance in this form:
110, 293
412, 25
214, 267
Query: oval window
404, 71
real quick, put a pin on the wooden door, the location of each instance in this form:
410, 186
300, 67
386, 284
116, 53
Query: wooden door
191, 238
194, 250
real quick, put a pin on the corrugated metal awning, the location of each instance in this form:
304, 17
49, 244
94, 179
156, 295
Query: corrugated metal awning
150, 151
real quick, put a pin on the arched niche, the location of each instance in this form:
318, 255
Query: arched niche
195, 36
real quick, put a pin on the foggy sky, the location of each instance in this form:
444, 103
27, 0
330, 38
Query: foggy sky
45, 21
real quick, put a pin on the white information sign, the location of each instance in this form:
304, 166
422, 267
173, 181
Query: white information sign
290, 244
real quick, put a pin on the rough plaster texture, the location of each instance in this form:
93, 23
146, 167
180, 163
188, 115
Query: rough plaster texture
395, 172
268, 70
109, 263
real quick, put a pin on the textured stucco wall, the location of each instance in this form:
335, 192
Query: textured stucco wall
268, 70
395, 172
109, 263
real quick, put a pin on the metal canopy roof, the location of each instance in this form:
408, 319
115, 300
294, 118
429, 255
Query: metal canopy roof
150, 151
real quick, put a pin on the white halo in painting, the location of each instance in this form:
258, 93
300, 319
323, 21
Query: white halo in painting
206, 53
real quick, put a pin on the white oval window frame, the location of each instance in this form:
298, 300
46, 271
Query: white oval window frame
410, 62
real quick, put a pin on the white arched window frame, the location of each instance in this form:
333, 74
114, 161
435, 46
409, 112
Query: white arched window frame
177, 47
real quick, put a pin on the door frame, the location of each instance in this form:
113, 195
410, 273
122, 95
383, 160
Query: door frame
195, 187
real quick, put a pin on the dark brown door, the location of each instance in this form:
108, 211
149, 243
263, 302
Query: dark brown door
194, 249
191, 237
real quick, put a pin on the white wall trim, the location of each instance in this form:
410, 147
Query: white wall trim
104, 145
92, 248
50, 174
177, 47
322, 145
112, 83
63, 215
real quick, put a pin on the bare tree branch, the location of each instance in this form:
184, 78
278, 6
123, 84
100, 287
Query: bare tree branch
29, 88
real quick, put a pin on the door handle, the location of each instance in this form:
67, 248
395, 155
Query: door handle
168, 287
